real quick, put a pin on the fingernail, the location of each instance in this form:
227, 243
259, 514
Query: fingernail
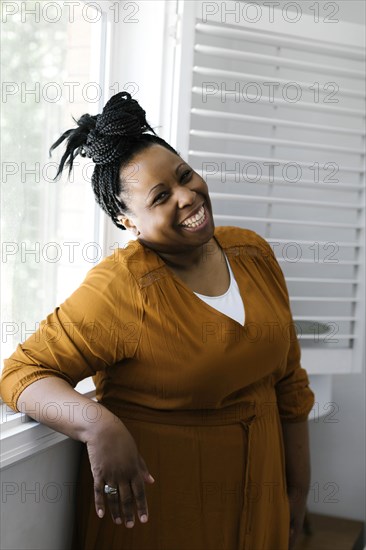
119, 521
151, 477
129, 524
143, 518
100, 513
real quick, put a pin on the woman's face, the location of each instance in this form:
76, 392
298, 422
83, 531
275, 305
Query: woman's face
164, 191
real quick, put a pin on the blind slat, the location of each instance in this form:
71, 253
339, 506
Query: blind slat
248, 77
316, 46
277, 101
271, 160
285, 200
274, 180
275, 60
289, 221
276, 122
275, 141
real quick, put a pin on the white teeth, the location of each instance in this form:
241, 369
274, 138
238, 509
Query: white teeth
199, 217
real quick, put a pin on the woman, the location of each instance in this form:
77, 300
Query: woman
187, 332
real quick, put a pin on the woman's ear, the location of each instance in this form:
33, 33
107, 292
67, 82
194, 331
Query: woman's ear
128, 224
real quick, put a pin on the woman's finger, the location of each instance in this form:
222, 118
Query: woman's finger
145, 471
113, 503
99, 497
126, 503
138, 488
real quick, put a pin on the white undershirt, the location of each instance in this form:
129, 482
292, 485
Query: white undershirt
229, 303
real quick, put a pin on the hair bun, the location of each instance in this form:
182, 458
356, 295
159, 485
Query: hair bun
122, 116
105, 137
122, 119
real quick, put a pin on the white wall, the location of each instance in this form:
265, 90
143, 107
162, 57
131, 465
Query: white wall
338, 452
37, 499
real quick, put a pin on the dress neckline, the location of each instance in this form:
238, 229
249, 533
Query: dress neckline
203, 304
149, 267
231, 283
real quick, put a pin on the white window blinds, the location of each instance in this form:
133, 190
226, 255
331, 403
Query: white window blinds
272, 117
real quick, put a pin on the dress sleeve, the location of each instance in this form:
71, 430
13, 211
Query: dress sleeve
97, 326
295, 399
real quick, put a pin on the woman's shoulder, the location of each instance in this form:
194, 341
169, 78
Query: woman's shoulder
231, 236
128, 264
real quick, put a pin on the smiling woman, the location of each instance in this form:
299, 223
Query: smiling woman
166, 216
184, 390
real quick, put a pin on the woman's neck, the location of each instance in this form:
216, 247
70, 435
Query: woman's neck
197, 260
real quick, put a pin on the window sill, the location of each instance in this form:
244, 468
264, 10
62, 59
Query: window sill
21, 436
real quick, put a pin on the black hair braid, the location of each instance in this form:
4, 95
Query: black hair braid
110, 139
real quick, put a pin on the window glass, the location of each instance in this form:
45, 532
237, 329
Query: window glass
51, 72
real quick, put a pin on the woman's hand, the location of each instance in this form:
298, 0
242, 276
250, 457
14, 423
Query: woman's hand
298, 475
113, 454
297, 503
115, 461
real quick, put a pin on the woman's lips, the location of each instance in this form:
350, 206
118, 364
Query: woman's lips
201, 225
193, 213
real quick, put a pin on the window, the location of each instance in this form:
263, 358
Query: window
51, 231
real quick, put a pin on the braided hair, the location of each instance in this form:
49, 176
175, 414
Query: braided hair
111, 139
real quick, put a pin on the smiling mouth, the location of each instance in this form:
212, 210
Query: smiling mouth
196, 220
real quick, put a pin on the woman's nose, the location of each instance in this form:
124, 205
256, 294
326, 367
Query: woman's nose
185, 196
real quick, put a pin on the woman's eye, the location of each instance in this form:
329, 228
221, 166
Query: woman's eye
157, 198
187, 172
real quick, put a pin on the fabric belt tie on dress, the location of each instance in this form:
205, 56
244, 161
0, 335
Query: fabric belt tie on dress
232, 414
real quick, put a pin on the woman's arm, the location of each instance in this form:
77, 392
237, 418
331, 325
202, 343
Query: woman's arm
113, 455
298, 473
88, 333
95, 328
52, 401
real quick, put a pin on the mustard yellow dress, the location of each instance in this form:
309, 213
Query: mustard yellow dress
202, 395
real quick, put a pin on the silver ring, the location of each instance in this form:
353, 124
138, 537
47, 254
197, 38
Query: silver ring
110, 490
